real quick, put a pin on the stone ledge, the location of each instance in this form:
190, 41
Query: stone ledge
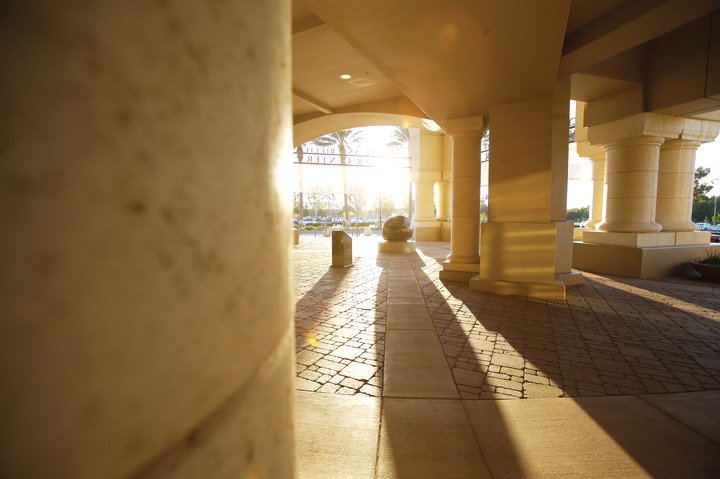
635, 262
643, 240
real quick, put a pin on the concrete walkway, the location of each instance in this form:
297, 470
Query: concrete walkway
400, 375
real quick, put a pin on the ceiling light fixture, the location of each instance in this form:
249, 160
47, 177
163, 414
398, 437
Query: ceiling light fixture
345, 76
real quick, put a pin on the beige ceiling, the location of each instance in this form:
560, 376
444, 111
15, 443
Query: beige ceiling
455, 58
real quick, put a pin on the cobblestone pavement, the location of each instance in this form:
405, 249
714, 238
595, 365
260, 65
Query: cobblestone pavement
611, 336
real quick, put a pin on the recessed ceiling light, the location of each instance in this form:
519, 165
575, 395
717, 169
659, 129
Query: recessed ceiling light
345, 76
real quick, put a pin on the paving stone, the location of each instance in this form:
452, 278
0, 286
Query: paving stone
468, 377
532, 391
306, 385
361, 372
508, 360
307, 358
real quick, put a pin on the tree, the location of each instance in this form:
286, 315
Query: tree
703, 207
356, 199
701, 189
384, 209
400, 137
578, 214
301, 207
344, 140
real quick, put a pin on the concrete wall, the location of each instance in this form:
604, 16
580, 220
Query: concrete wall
146, 326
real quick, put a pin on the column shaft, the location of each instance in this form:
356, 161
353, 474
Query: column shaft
676, 177
145, 288
424, 200
598, 178
631, 172
465, 236
443, 200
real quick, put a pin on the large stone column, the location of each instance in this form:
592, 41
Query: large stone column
445, 190
649, 175
463, 260
675, 185
526, 246
145, 292
425, 168
632, 161
442, 212
596, 155
597, 163
676, 179
424, 200
631, 172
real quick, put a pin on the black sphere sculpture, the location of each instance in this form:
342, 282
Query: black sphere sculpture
397, 228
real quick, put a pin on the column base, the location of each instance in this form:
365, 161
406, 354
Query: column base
638, 262
554, 290
642, 240
426, 230
458, 271
404, 247
445, 231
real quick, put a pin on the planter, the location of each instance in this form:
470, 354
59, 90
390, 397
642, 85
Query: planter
707, 271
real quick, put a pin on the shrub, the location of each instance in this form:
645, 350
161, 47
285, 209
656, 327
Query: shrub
711, 257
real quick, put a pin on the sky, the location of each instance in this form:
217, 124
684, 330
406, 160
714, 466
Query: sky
394, 182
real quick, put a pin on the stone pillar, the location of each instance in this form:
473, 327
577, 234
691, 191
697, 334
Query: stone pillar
425, 168
445, 190
597, 163
596, 155
632, 158
526, 246
146, 315
676, 180
463, 260
631, 173
442, 212
424, 200
676, 177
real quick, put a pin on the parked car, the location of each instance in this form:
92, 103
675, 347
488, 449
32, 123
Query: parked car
703, 226
714, 238
715, 227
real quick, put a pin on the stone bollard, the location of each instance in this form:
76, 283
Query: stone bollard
296, 236
341, 249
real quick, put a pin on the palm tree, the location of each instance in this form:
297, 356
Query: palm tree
400, 136
344, 140
299, 153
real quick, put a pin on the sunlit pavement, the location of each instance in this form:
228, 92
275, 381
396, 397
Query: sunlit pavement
598, 371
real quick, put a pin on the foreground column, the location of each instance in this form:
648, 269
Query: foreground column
463, 260
144, 285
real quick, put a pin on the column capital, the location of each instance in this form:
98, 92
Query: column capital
471, 125
642, 124
680, 144
700, 130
